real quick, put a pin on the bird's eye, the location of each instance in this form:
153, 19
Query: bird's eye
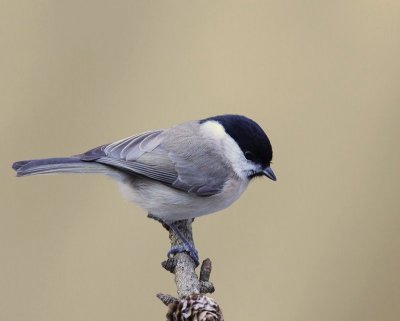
249, 155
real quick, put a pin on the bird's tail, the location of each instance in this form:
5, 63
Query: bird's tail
56, 166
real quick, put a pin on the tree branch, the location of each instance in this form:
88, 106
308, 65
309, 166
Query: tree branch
192, 303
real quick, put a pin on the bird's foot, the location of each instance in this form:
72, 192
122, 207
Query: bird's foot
185, 247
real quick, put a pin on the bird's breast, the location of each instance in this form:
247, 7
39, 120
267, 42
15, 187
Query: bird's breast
171, 204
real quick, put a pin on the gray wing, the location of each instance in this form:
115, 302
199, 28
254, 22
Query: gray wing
167, 156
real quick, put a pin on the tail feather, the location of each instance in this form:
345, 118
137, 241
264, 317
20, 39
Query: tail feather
56, 165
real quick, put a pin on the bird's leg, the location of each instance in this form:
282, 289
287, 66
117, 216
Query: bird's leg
186, 245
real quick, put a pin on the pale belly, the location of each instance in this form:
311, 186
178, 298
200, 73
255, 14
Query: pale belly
170, 204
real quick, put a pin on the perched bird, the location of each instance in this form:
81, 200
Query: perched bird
192, 169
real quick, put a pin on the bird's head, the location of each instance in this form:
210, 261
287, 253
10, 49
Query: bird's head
255, 147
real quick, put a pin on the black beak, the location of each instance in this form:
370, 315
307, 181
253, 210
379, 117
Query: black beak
269, 173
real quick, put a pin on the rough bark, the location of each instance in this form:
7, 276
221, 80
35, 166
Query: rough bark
192, 303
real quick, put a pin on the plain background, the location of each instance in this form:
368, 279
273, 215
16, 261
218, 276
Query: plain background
321, 77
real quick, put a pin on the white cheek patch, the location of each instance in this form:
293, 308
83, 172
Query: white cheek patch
229, 147
214, 129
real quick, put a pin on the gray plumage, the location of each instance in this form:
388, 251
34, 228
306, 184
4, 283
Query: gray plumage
188, 170
56, 165
155, 154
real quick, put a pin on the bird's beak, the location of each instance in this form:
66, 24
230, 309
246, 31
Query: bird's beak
269, 173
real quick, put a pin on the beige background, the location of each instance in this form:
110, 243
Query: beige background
321, 77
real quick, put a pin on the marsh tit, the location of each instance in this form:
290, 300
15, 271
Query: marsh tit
189, 170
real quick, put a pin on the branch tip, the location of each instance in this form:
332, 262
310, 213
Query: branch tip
169, 264
167, 299
205, 270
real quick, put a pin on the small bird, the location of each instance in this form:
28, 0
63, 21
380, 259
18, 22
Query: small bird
189, 170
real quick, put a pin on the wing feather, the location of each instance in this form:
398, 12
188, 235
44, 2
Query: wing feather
140, 168
167, 156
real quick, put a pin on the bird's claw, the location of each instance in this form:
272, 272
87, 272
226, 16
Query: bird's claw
183, 248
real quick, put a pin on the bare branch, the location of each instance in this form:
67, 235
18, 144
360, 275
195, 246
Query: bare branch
192, 303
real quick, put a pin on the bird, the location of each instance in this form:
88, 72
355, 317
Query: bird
188, 170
